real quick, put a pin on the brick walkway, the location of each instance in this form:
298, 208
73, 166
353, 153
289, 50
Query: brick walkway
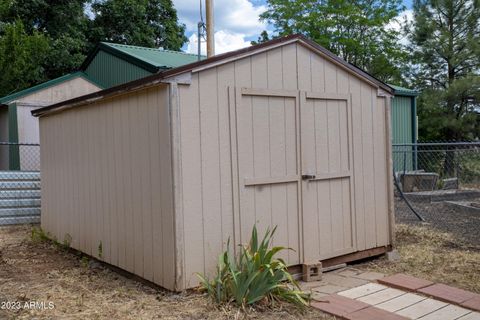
355, 295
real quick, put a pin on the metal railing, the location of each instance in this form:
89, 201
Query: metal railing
439, 182
19, 183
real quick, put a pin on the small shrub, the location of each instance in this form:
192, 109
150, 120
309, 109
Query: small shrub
67, 240
39, 235
100, 250
254, 275
84, 261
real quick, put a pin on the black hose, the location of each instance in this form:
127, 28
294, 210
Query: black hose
405, 198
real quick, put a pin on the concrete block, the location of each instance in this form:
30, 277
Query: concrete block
312, 272
392, 255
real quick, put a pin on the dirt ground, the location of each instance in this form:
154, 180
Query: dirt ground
429, 253
39, 271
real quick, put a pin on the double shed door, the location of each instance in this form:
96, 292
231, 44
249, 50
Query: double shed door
292, 158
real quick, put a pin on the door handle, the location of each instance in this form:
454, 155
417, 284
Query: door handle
308, 176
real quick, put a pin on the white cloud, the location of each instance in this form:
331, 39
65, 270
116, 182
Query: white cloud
398, 22
235, 21
224, 41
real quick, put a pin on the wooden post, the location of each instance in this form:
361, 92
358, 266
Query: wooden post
210, 29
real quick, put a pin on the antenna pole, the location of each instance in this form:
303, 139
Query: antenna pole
210, 28
199, 40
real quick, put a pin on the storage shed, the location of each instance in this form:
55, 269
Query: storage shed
154, 176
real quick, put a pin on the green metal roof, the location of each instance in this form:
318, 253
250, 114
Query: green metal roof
44, 85
401, 91
150, 59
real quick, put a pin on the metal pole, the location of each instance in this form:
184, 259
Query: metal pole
199, 40
210, 28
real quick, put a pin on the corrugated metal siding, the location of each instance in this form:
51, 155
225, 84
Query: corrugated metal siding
402, 132
402, 119
109, 71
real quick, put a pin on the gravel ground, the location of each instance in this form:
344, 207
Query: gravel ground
464, 225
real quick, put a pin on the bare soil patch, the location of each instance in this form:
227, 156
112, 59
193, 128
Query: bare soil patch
41, 271
434, 255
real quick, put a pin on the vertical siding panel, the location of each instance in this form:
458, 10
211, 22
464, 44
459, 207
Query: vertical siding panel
99, 199
261, 140
145, 173
156, 181
381, 172
192, 180
168, 220
211, 189
357, 162
87, 173
226, 77
319, 73
289, 67
368, 169
304, 68
243, 78
110, 176
136, 139
69, 179
119, 133
104, 150
277, 154
126, 169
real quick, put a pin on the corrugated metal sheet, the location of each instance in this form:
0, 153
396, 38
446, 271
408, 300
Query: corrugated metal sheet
402, 126
156, 57
109, 71
402, 132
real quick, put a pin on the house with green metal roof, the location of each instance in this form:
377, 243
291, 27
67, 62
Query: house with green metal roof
108, 65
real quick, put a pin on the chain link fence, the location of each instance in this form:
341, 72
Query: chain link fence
19, 183
439, 183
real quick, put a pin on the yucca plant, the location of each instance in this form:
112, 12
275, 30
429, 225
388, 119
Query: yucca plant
254, 275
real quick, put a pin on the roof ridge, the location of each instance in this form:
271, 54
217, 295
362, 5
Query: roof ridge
147, 48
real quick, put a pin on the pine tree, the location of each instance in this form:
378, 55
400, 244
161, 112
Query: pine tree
446, 40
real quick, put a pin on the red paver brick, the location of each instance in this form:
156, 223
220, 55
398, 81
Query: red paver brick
373, 313
338, 306
446, 293
473, 303
405, 282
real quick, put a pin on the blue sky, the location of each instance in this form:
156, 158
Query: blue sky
236, 22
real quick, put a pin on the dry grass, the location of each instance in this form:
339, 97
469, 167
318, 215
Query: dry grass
433, 255
40, 271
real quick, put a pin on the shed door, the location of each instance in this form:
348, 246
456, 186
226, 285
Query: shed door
268, 166
327, 184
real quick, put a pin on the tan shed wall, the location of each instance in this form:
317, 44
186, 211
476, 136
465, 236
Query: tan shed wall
107, 182
206, 175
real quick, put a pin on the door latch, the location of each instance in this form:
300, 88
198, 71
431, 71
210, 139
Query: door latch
308, 176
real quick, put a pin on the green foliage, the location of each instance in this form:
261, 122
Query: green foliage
100, 250
85, 261
39, 235
149, 23
446, 47
254, 275
354, 30
63, 23
21, 57
44, 39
